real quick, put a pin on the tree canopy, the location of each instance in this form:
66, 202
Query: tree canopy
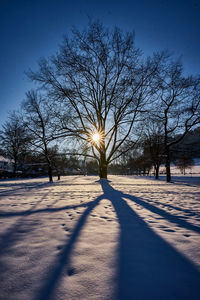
103, 85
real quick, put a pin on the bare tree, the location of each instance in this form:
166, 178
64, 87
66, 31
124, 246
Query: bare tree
153, 144
37, 118
14, 139
100, 77
178, 106
183, 163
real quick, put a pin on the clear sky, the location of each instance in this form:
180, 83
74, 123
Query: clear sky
31, 29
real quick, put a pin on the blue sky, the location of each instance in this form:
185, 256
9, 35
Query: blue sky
33, 29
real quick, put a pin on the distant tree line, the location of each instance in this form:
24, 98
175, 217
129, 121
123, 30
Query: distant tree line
99, 82
149, 156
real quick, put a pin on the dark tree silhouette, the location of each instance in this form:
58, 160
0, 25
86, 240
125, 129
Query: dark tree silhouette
14, 140
99, 77
37, 118
184, 162
153, 144
178, 106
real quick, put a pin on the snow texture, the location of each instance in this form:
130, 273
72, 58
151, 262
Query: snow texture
83, 238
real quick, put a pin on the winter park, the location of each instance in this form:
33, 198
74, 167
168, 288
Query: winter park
100, 150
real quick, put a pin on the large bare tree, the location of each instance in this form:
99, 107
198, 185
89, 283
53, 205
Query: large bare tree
99, 78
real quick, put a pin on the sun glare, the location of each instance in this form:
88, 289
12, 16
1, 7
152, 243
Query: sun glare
96, 137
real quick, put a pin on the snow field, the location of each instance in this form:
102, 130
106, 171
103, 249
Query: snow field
81, 238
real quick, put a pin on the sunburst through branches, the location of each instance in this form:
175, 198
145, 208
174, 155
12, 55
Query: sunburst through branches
96, 138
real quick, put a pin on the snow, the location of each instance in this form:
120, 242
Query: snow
84, 238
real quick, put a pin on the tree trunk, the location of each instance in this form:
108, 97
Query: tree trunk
49, 168
184, 170
103, 166
50, 173
167, 165
14, 168
167, 162
48, 163
156, 172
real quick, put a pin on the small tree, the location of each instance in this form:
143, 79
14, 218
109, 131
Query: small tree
37, 118
183, 163
14, 140
153, 144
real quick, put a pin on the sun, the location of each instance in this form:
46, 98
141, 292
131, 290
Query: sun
96, 137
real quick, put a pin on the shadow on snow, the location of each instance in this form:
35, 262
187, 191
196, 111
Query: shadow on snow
147, 266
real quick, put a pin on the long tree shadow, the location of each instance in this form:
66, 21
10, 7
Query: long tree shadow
20, 229
11, 235
48, 289
148, 267
186, 180
28, 186
190, 212
24, 225
171, 218
10, 214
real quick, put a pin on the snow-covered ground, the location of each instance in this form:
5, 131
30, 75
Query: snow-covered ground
81, 238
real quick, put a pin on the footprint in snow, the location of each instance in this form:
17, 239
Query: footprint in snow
187, 235
59, 247
71, 272
67, 229
169, 230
